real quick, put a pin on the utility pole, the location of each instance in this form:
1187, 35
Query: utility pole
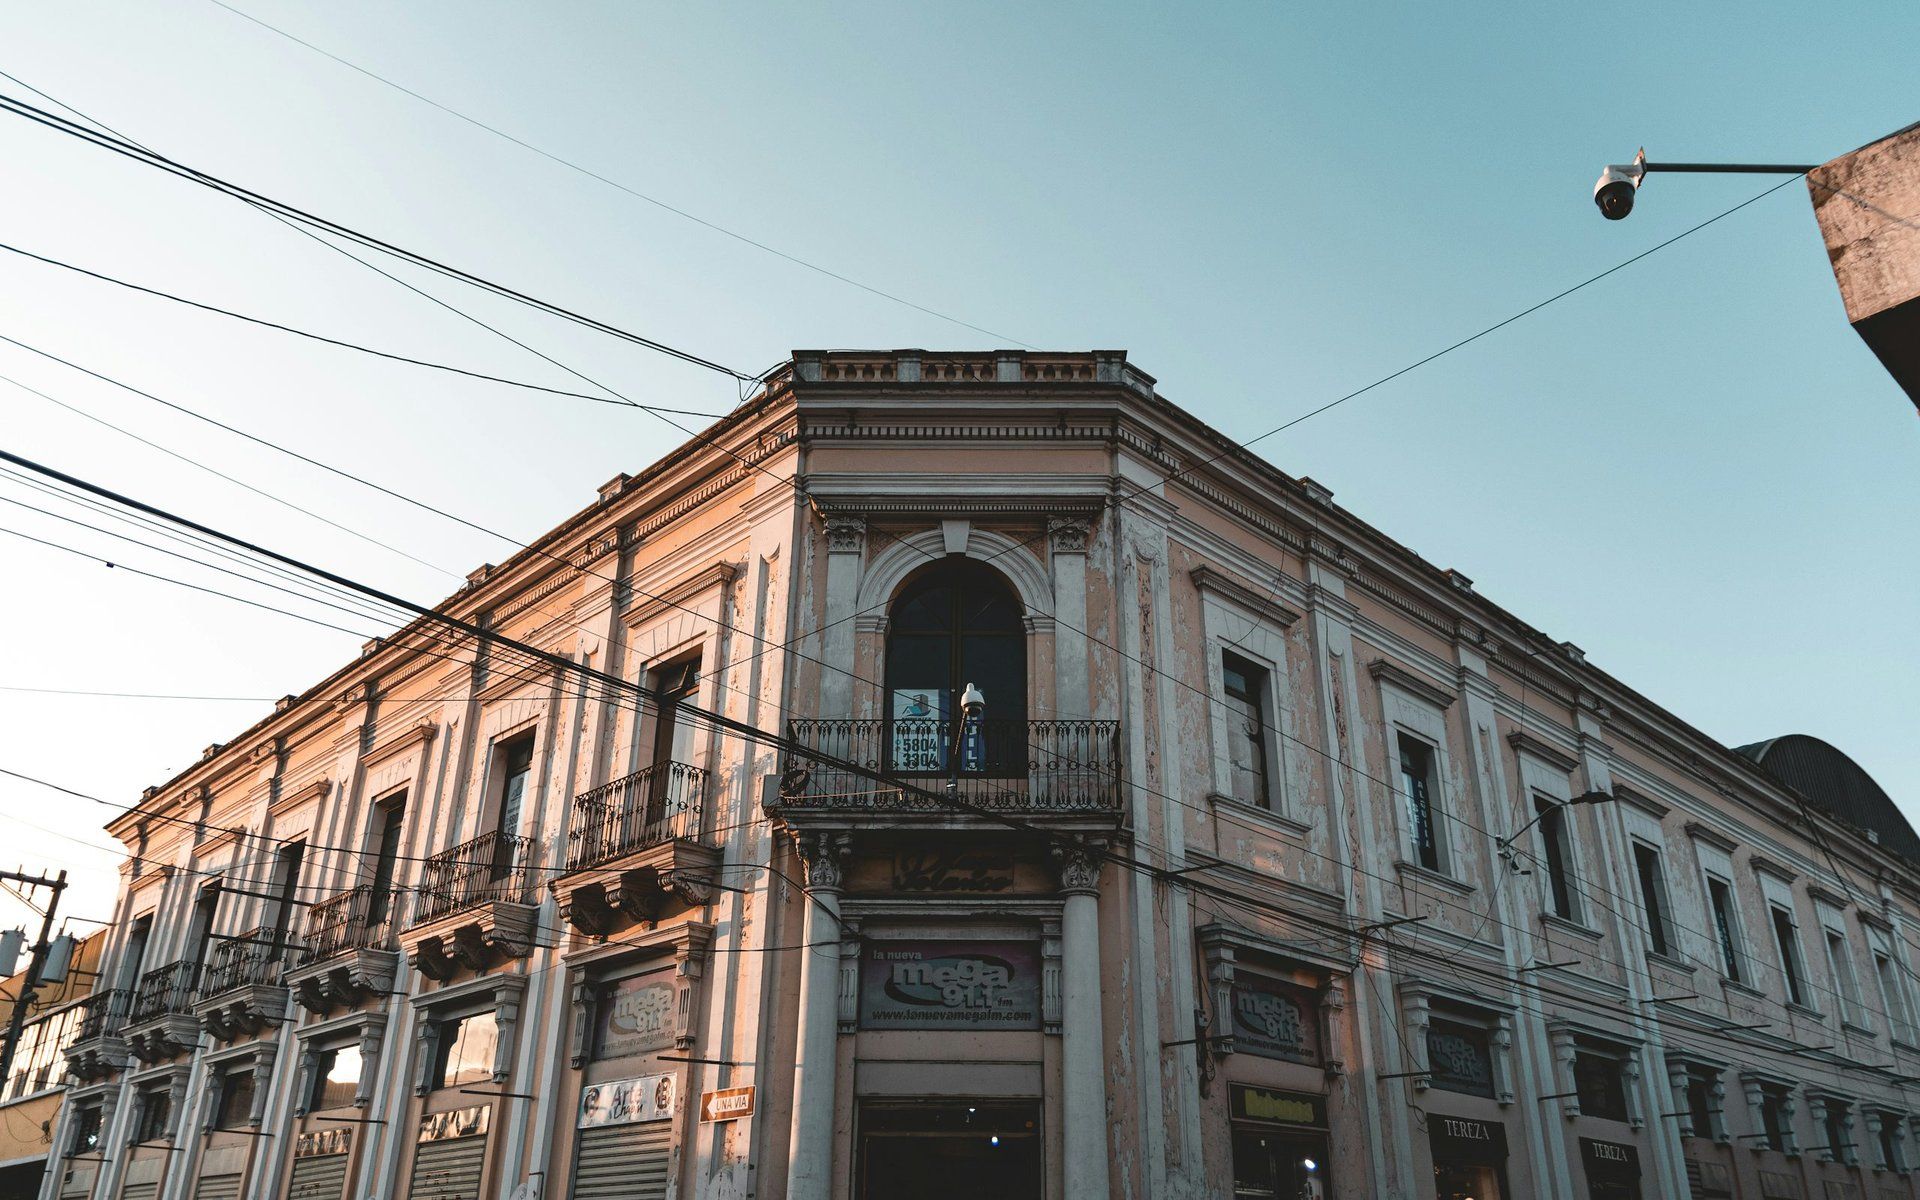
35, 964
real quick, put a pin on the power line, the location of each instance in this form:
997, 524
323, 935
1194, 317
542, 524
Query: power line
342, 343
591, 174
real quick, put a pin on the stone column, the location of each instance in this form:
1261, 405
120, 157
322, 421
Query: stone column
1067, 552
1082, 1059
810, 1152
846, 553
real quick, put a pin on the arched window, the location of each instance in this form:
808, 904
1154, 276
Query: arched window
956, 623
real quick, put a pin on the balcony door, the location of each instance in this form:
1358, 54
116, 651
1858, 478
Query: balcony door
958, 622
673, 685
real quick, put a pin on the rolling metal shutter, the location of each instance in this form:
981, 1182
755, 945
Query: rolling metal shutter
78, 1179
217, 1187
319, 1177
139, 1191
448, 1170
623, 1162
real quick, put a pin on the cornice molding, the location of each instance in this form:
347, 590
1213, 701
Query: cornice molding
315, 790
1207, 579
719, 575
1525, 743
1700, 832
1389, 674
1640, 800
1821, 895
419, 733
1766, 866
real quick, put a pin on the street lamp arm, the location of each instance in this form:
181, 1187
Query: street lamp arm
1729, 168
1582, 798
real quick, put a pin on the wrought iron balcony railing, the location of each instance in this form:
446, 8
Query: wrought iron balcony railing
491, 867
165, 990
1015, 766
647, 808
254, 958
103, 1014
350, 920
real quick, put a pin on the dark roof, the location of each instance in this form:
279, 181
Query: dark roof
1838, 786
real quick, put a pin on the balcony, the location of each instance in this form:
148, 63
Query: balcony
348, 954
634, 847
475, 906
1065, 773
97, 1049
241, 985
162, 1024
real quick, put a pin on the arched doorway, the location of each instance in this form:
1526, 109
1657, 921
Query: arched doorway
956, 623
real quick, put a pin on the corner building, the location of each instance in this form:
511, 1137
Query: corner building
1129, 820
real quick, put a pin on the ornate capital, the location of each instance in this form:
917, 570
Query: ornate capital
825, 855
1079, 870
846, 535
1067, 537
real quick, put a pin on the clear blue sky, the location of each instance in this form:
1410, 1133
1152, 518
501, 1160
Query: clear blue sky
1694, 469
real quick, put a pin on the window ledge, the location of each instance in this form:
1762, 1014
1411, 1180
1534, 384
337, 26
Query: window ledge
1904, 1044
1457, 886
1805, 1011
1267, 816
1745, 989
1667, 962
1861, 1031
1564, 925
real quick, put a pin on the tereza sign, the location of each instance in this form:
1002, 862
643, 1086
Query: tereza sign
950, 985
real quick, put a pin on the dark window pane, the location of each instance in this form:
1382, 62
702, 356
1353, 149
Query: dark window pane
1723, 927
1646, 862
236, 1100
1416, 780
1601, 1084
1553, 837
924, 610
1784, 939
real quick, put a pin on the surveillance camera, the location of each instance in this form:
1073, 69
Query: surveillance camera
1614, 192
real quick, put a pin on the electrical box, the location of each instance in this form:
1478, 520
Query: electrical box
11, 943
59, 960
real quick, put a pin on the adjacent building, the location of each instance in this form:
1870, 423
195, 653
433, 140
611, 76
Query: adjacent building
31, 1095
972, 774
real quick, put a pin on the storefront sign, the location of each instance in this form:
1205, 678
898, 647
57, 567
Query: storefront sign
1275, 1020
727, 1104
633, 1016
950, 985
919, 730
1609, 1160
1249, 1103
628, 1101
1461, 1057
952, 871
1464, 1140
317, 1143
457, 1123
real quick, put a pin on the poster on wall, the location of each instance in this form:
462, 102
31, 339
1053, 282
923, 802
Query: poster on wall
919, 729
950, 985
628, 1101
634, 1016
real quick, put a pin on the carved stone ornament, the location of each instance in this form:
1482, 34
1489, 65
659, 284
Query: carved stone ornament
824, 855
846, 535
1068, 537
1079, 870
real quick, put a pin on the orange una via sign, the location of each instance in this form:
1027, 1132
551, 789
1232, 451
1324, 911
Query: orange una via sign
727, 1104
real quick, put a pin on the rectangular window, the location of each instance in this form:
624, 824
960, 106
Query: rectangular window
200, 928
1246, 688
1653, 899
86, 1130
389, 818
1417, 782
1701, 1107
1461, 1057
466, 1050
1601, 1082
1892, 998
1720, 897
236, 1100
1558, 852
336, 1077
1840, 962
1839, 1145
1786, 940
156, 1115
133, 956
514, 760
286, 888
1773, 1118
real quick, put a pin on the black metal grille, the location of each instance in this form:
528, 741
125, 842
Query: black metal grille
103, 1014
491, 867
253, 958
164, 990
347, 921
658, 804
1036, 766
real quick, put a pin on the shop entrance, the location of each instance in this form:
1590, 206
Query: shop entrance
953, 1150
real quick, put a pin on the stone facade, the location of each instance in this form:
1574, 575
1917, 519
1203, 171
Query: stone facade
1276, 862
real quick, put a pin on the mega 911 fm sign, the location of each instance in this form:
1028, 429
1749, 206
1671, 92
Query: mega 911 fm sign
950, 985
